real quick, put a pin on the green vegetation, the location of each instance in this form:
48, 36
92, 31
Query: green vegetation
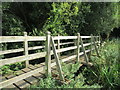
69, 70
12, 68
65, 18
104, 74
107, 67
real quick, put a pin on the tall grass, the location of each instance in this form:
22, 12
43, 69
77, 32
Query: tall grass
106, 69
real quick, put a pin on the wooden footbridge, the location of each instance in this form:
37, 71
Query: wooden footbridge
52, 46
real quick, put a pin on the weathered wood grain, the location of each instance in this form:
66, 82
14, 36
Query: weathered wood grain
82, 45
96, 49
29, 76
48, 55
58, 45
78, 47
26, 48
64, 37
21, 58
34, 56
57, 60
30, 48
4, 39
20, 50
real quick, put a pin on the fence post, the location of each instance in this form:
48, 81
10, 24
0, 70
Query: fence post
48, 55
78, 47
85, 55
96, 49
99, 41
58, 45
57, 60
75, 44
91, 44
26, 48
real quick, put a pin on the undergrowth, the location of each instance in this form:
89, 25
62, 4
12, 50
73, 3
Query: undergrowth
11, 68
69, 72
105, 72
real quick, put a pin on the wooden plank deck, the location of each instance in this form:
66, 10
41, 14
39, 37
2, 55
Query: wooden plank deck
32, 79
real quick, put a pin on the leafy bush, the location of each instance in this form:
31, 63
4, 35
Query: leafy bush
8, 69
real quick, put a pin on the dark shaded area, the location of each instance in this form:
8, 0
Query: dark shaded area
32, 15
115, 33
13, 55
103, 36
37, 61
79, 70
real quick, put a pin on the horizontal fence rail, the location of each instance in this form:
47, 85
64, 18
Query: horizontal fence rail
30, 48
4, 39
36, 55
59, 48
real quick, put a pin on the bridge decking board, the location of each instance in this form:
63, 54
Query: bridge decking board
34, 78
2, 78
19, 84
30, 79
10, 86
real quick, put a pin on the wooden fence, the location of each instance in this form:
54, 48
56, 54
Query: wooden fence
49, 42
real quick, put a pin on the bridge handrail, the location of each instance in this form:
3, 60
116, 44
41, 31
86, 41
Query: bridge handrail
94, 41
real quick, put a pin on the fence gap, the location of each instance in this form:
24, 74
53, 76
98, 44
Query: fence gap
57, 60
26, 48
85, 55
48, 55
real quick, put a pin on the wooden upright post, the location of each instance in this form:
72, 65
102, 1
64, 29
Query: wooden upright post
85, 55
78, 47
58, 46
26, 48
57, 60
96, 49
48, 55
99, 41
75, 44
91, 45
